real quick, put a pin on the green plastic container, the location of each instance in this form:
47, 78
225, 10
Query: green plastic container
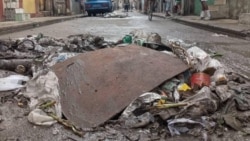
127, 39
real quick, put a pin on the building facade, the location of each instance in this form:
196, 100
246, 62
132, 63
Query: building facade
25, 9
1, 11
75, 6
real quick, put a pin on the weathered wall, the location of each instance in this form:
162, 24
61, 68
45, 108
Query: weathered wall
244, 18
41, 5
75, 7
1, 10
59, 7
11, 4
8, 8
197, 6
237, 7
48, 5
45, 7
29, 6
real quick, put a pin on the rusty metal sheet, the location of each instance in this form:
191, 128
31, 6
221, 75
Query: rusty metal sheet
95, 86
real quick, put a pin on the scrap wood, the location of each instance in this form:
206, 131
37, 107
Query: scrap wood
17, 55
74, 138
19, 43
13, 64
47, 104
172, 105
66, 124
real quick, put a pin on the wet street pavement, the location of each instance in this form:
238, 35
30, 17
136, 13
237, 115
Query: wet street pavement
235, 51
236, 55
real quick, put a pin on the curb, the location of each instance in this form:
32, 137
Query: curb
16, 28
212, 28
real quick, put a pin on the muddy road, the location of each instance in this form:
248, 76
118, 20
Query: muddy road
235, 51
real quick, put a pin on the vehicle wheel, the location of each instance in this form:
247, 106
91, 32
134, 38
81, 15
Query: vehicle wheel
94, 14
89, 14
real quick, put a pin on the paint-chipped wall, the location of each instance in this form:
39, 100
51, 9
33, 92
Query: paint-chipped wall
1, 10
236, 7
29, 6
59, 7
75, 7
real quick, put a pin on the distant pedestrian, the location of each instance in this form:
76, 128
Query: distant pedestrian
126, 5
205, 13
168, 5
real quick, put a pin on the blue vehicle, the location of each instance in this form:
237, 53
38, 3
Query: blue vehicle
98, 6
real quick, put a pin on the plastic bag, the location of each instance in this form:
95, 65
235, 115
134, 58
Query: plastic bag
12, 82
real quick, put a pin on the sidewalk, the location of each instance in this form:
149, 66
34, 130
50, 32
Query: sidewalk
223, 26
14, 26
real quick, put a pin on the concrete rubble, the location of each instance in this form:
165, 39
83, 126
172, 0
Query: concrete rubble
200, 100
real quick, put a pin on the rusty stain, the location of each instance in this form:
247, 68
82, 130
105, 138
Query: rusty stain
95, 86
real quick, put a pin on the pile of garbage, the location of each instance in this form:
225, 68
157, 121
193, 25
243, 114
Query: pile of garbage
116, 15
25, 67
201, 100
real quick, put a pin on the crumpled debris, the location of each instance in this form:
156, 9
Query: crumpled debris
139, 121
42, 88
135, 115
145, 98
243, 102
223, 93
219, 77
142, 36
203, 103
197, 53
86, 42
177, 130
167, 113
231, 121
60, 57
202, 62
183, 44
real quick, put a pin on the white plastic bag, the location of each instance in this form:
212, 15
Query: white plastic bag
12, 82
196, 52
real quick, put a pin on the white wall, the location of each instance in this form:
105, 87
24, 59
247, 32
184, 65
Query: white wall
11, 4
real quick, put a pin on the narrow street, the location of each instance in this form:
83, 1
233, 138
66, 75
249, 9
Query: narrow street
235, 51
235, 55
